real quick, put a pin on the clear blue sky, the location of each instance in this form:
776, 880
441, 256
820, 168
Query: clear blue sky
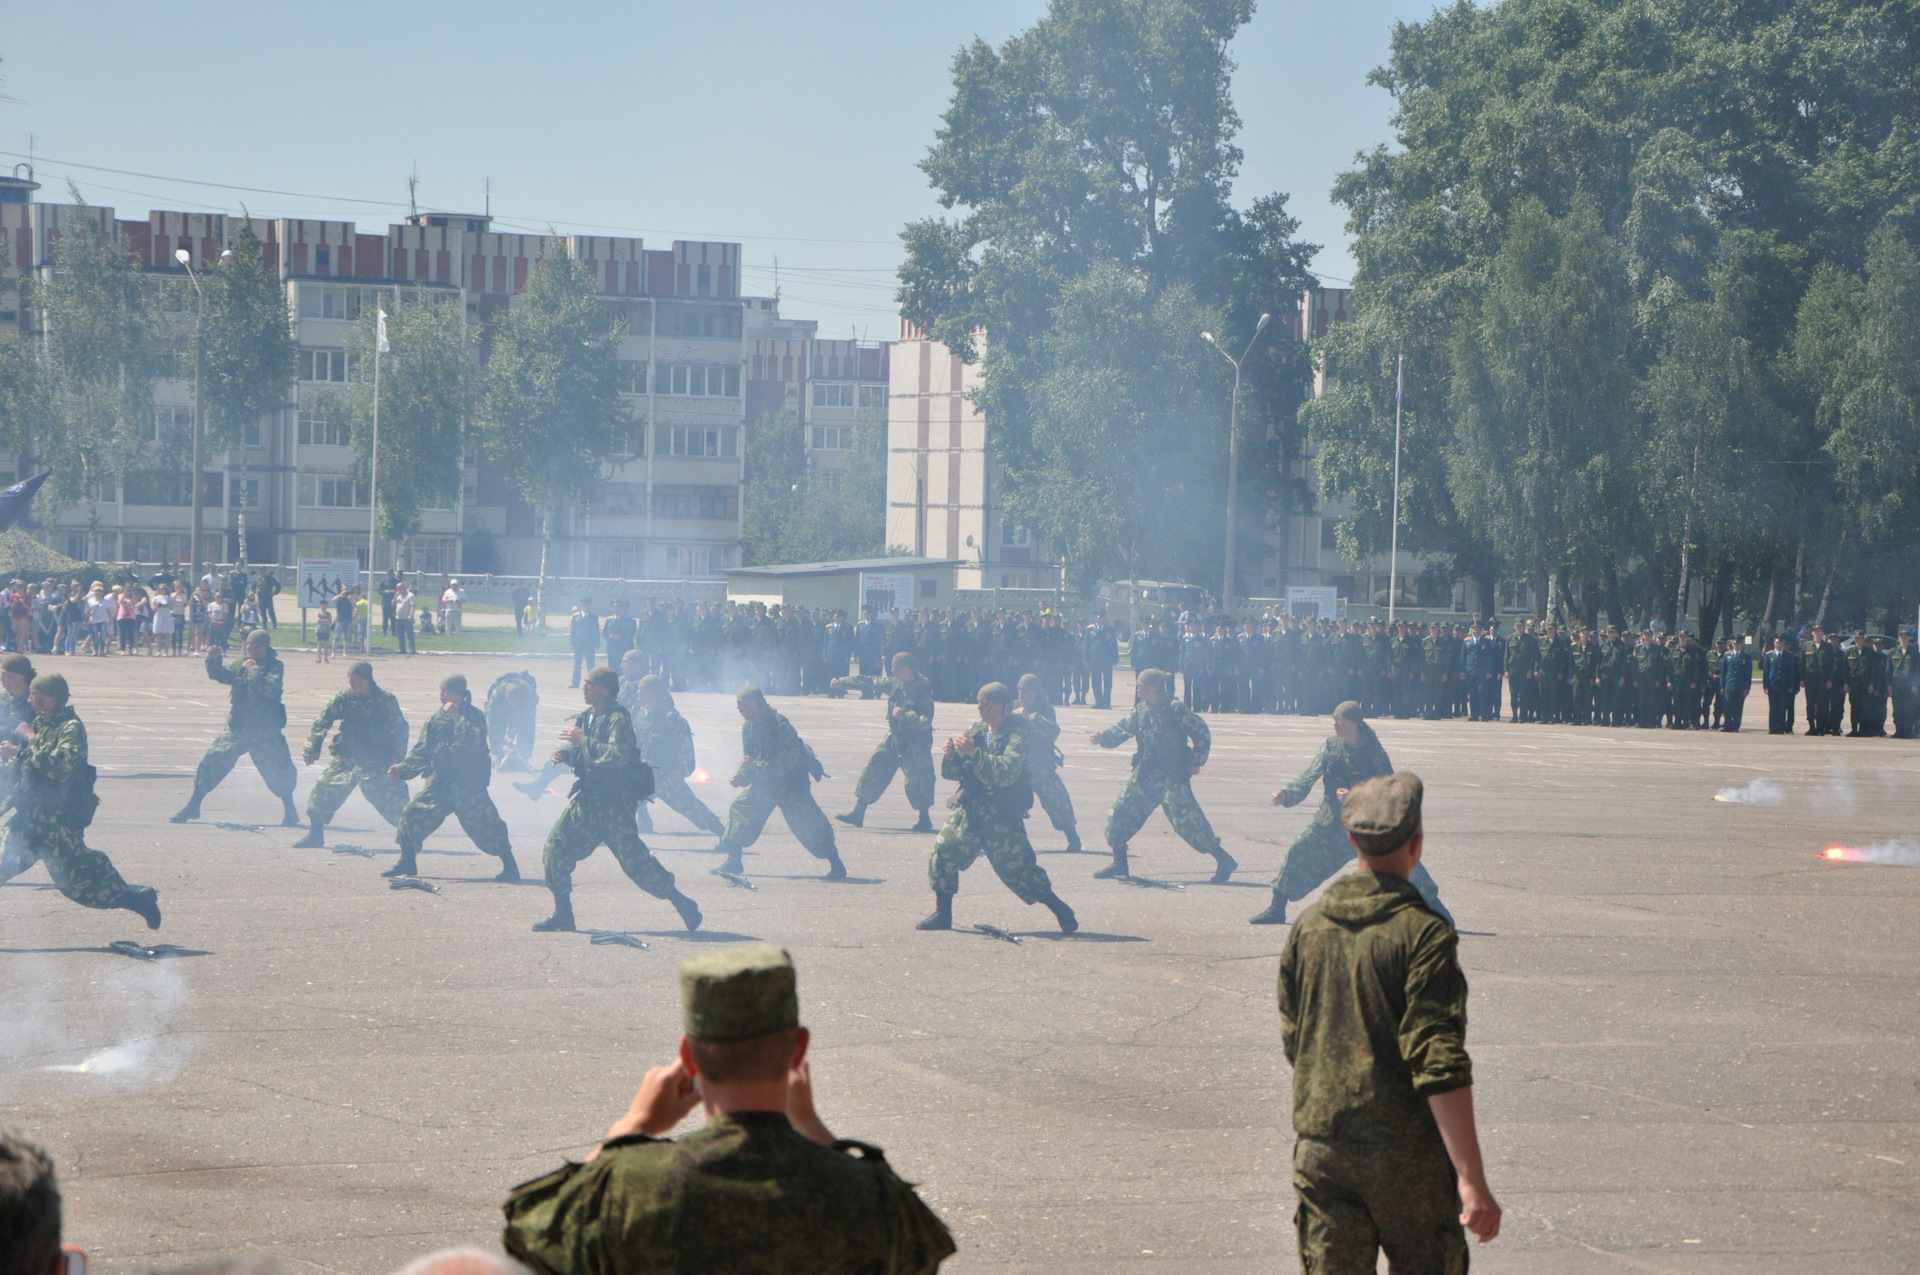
795, 129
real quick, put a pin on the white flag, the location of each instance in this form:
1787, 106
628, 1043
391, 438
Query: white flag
381, 342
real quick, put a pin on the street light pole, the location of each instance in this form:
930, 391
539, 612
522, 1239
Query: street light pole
1233, 453
185, 258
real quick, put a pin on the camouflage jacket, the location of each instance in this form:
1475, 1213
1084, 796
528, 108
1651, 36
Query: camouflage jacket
1339, 766
1043, 730
48, 760
993, 782
916, 697
607, 753
1373, 1013
254, 692
665, 739
1163, 733
452, 751
373, 730
745, 1193
513, 693
13, 711
774, 752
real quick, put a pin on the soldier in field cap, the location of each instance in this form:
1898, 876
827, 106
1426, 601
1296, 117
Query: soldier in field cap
1373, 1016
763, 1186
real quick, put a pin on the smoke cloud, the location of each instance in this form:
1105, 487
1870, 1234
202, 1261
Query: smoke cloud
1761, 792
1900, 853
102, 1025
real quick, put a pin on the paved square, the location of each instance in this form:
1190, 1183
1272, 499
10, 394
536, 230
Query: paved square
1694, 1039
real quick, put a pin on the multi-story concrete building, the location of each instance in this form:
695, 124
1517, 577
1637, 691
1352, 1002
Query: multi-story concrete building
702, 364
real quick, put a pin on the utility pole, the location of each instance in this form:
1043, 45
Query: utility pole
1233, 454
1393, 540
185, 258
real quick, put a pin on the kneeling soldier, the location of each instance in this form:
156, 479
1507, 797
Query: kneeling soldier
373, 736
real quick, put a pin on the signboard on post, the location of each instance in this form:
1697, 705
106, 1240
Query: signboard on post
884, 590
1312, 602
321, 578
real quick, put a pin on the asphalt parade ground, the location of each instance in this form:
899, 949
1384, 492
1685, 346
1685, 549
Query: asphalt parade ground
1693, 1035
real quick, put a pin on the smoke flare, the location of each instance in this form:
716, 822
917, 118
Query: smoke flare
1760, 792
1895, 854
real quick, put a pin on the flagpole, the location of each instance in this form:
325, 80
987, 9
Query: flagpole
373, 475
1393, 552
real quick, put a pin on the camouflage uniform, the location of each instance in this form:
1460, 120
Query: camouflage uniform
744, 1193
1373, 1016
255, 721
778, 774
513, 701
43, 833
373, 736
1161, 759
908, 745
14, 710
1043, 771
452, 753
595, 817
989, 815
666, 744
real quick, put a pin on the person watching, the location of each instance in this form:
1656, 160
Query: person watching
29, 1209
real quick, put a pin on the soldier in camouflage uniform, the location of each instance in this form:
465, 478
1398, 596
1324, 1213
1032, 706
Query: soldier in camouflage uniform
666, 744
1043, 759
601, 748
908, 745
989, 813
452, 753
764, 1186
255, 722
1373, 1017
1171, 746
16, 675
777, 770
373, 736
1351, 754
51, 794
512, 703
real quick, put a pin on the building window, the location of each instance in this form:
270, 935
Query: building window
712, 322
685, 561
699, 440
832, 395
701, 380
689, 500
317, 302
158, 487
873, 396
1329, 533
831, 438
170, 425
633, 376
317, 428
153, 546
632, 439
617, 559
620, 500
250, 433
244, 493
326, 365
330, 491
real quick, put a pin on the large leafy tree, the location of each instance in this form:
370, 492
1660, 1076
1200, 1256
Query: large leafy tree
249, 341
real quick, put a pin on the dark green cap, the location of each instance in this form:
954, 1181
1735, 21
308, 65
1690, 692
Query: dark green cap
361, 668
1349, 710
996, 692
454, 684
1382, 813
1156, 678
51, 685
738, 993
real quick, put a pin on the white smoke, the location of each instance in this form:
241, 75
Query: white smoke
112, 1024
1900, 853
1760, 792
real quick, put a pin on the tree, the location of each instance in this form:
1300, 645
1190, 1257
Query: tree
249, 342
429, 389
550, 409
794, 510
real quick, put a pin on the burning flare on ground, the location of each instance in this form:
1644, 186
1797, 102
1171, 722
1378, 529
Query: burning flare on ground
700, 777
1896, 854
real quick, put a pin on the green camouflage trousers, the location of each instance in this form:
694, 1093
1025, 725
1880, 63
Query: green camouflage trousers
268, 748
1357, 1199
1053, 798
896, 754
672, 791
584, 828
1173, 794
1322, 849
753, 807
475, 811
341, 777
1006, 847
83, 875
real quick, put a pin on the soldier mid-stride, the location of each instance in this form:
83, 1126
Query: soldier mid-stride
1352, 753
777, 770
989, 813
1043, 759
373, 736
51, 792
452, 753
666, 744
255, 721
601, 748
512, 702
908, 745
1171, 745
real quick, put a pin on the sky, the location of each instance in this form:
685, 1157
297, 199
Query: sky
794, 129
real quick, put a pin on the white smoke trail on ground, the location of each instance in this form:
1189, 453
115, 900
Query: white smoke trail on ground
1899, 853
1837, 794
1759, 792
112, 1024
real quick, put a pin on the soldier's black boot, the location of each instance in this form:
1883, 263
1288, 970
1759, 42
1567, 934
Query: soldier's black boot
144, 902
406, 867
562, 918
1073, 841
1275, 912
191, 810
925, 824
836, 870
1118, 868
689, 911
289, 813
533, 788
1223, 866
733, 863
942, 916
316, 835
509, 870
1061, 912
855, 818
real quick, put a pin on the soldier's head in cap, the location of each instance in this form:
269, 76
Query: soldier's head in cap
1382, 815
48, 694
16, 671
599, 686
633, 665
1153, 685
993, 702
454, 694
903, 665
259, 644
752, 703
740, 1016
360, 677
1032, 692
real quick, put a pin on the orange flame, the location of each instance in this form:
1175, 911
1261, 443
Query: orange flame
700, 777
1835, 852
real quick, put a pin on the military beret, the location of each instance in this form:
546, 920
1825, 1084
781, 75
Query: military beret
1383, 812
1349, 711
603, 676
996, 692
1029, 679
738, 993
53, 686
17, 663
361, 668
454, 684
1155, 678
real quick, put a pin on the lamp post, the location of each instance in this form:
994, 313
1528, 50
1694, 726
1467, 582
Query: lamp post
1233, 452
185, 258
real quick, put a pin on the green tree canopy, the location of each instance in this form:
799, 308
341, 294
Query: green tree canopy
249, 342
